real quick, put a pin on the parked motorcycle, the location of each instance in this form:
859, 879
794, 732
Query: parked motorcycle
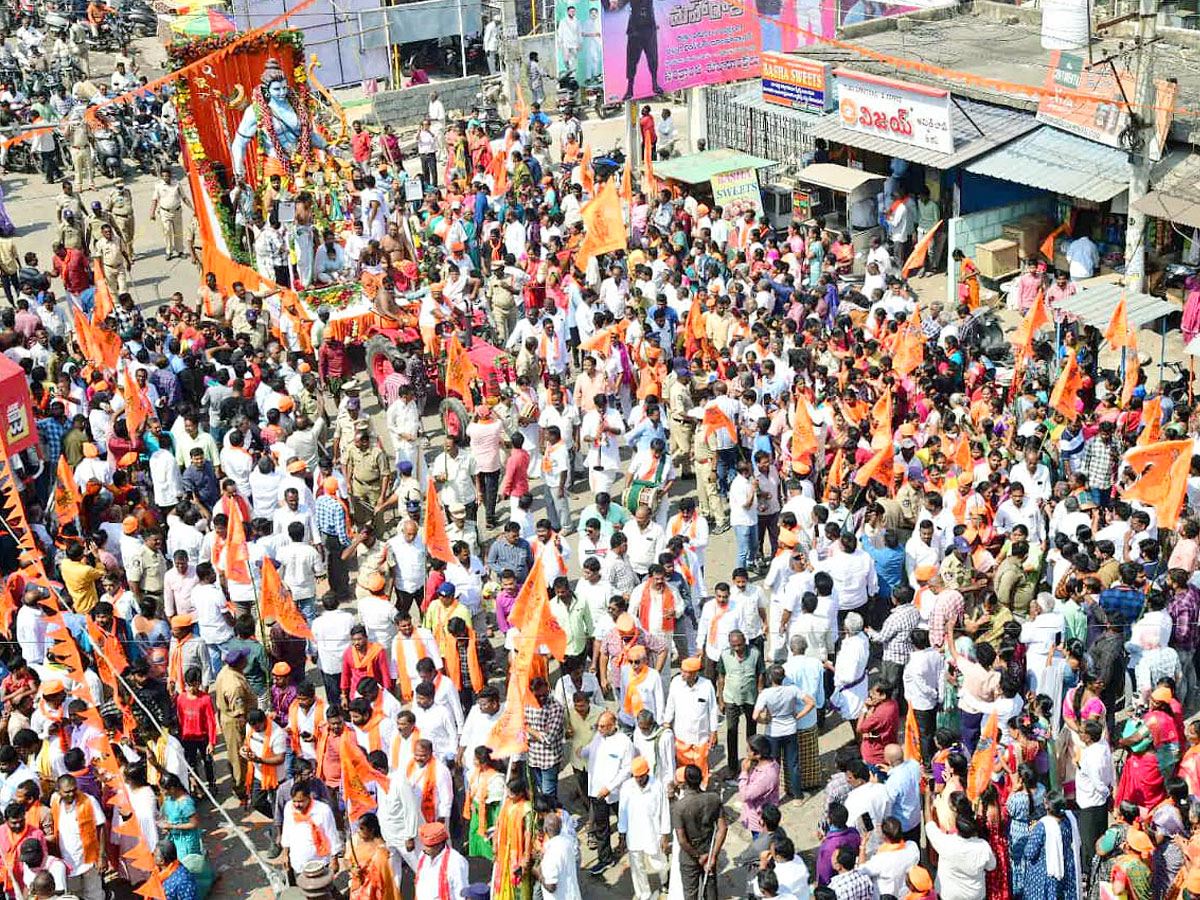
108, 147
115, 35
140, 18
608, 164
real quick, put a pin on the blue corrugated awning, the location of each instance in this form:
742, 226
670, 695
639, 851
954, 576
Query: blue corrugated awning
1057, 161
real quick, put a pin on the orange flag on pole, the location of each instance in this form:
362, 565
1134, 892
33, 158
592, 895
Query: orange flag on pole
1133, 374
1037, 318
137, 405
509, 735
627, 184
523, 606
277, 603
836, 476
600, 342
1118, 333
881, 421
693, 329
585, 171
916, 259
533, 614
103, 305
460, 372
357, 773
1152, 419
1047, 248
67, 500
1164, 468
604, 226
713, 419
912, 735
233, 553
437, 542
1065, 395
878, 467
804, 435
910, 349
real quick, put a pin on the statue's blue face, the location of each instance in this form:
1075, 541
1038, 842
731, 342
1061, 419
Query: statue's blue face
278, 90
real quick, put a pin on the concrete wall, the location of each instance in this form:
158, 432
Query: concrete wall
965, 232
407, 108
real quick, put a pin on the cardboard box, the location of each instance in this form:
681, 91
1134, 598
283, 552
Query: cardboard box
997, 258
1028, 232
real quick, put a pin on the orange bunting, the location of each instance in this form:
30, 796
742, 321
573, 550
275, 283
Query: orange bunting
277, 603
916, 259
152, 888
437, 542
1065, 396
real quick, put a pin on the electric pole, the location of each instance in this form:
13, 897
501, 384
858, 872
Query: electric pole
1142, 128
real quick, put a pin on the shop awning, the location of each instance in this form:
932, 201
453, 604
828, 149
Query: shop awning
697, 168
1175, 191
1060, 162
996, 125
835, 177
1094, 306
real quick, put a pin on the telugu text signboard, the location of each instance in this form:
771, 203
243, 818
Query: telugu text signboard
895, 110
796, 82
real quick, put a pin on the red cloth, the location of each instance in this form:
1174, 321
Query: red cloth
1141, 781
74, 270
197, 718
361, 145
333, 361
516, 474
883, 721
432, 583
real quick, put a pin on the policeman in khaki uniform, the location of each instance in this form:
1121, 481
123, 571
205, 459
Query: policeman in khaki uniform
369, 473
503, 297
679, 401
114, 259
704, 451
120, 207
167, 206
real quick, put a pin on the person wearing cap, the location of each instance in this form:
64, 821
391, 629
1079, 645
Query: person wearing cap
146, 569
440, 870
639, 687
234, 699
369, 476
691, 711
644, 823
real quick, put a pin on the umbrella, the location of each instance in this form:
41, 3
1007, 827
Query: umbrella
183, 7
203, 24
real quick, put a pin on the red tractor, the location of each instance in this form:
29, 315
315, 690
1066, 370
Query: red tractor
391, 364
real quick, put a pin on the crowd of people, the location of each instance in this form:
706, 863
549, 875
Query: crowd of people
979, 577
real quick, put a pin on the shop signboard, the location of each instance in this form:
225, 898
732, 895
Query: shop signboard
796, 82
16, 408
1103, 115
895, 110
737, 192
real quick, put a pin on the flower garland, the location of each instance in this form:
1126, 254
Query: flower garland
335, 296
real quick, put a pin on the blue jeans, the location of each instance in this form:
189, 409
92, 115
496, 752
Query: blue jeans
216, 656
546, 781
747, 543
726, 469
786, 750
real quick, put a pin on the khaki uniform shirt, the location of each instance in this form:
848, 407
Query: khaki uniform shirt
233, 695
111, 254
367, 469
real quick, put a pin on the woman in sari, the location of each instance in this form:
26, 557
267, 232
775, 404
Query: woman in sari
1131, 877
485, 794
1081, 704
1109, 848
1163, 730
514, 845
1026, 804
1189, 766
1141, 779
369, 862
968, 279
649, 480
1052, 854
991, 820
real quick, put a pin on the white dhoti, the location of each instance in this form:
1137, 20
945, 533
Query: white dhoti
641, 866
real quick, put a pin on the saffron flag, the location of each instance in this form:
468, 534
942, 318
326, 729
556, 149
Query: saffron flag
102, 304
137, 405
498, 169
520, 109
277, 603
460, 372
910, 349
604, 226
1152, 420
66, 494
627, 184
912, 735
523, 606
111, 659
715, 418
509, 736
1164, 469
693, 329
437, 542
1133, 375
357, 773
878, 467
600, 342
585, 171
1065, 396
1118, 333
916, 259
881, 421
99, 345
983, 761
533, 614
1034, 320
233, 553
836, 476
804, 435
1047, 248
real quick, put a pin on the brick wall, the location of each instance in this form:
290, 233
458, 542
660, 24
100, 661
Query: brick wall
408, 107
965, 232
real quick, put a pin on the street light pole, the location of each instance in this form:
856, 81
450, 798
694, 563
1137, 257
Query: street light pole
1142, 118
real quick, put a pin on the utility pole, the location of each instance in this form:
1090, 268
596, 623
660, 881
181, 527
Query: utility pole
633, 146
1142, 115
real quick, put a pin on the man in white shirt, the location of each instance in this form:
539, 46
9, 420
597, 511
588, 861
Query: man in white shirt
691, 711
1020, 510
435, 722
609, 759
406, 557
300, 565
303, 819
600, 433
440, 870
640, 687
964, 859
331, 635
430, 780
477, 727
644, 820
82, 858
1083, 257
867, 799
853, 572
1094, 780
216, 625
889, 870
743, 515
558, 870
644, 535
1032, 475
923, 678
